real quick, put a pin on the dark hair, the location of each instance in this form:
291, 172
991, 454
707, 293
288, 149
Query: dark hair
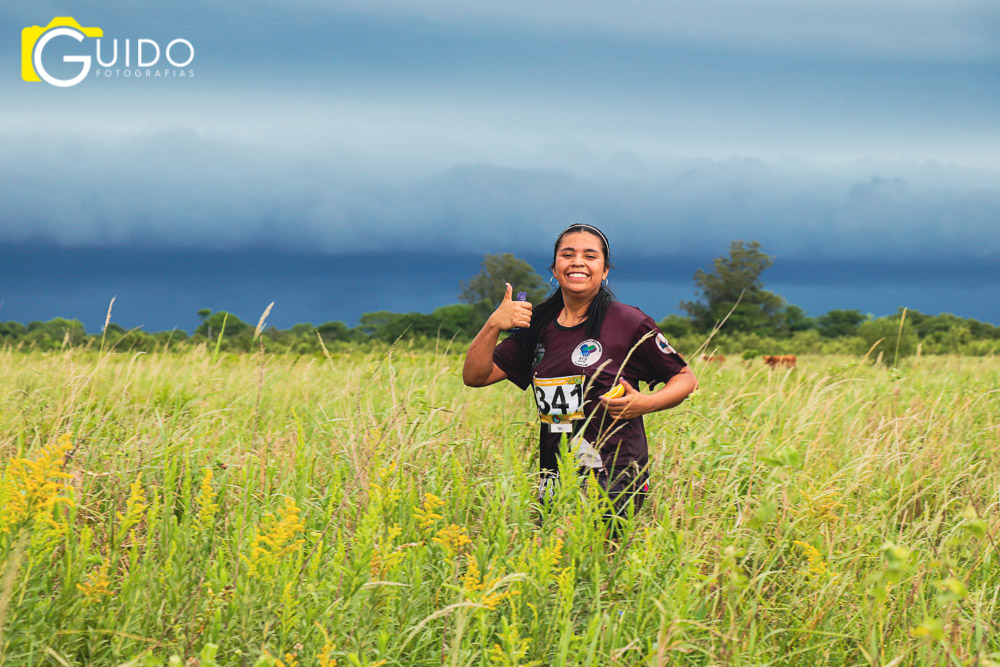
548, 310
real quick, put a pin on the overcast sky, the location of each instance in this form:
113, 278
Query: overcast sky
857, 141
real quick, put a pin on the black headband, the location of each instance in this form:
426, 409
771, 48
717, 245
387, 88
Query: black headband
591, 228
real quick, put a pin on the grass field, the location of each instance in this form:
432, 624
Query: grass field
367, 509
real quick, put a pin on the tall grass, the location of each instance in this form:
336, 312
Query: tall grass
363, 509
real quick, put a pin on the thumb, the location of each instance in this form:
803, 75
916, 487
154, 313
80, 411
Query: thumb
510, 290
629, 389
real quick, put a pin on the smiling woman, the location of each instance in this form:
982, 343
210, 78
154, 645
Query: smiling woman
584, 355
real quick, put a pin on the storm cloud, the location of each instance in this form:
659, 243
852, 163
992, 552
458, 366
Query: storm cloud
856, 141
182, 189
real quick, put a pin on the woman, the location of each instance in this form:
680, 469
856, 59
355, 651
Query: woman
574, 348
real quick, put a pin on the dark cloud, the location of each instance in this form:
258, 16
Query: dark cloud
183, 189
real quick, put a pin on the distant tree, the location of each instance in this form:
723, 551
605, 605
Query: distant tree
376, 324
457, 320
720, 289
203, 313
896, 341
445, 322
12, 330
794, 319
234, 326
674, 326
837, 323
485, 290
55, 332
333, 331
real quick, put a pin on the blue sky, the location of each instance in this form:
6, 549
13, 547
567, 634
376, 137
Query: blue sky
857, 141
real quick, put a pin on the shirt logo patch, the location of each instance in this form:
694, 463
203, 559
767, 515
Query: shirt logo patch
661, 342
539, 353
587, 353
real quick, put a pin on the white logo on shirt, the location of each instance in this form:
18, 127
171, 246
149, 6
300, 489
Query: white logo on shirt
661, 342
587, 353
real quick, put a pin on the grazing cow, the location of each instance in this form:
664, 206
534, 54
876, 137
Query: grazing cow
710, 358
780, 360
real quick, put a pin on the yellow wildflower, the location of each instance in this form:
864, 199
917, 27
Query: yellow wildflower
135, 507
96, 586
514, 648
483, 588
30, 490
427, 515
817, 566
207, 507
452, 538
385, 556
325, 657
275, 539
823, 504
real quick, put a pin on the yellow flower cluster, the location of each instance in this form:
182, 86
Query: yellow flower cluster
823, 504
291, 660
385, 556
540, 561
325, 657
483, 588
97, 585
452, 538
30, 490
275, 539
135, 507
514, 648
207, 507
817, 566
427, 515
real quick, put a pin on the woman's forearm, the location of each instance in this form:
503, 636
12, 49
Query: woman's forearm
673, 392
478, 367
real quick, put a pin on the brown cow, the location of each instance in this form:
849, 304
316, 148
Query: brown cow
710, 358
780, 360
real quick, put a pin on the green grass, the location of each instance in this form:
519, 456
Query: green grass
840, 513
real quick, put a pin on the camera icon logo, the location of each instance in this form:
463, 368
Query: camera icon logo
34, 39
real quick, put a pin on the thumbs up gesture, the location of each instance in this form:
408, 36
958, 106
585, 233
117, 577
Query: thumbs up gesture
510, 313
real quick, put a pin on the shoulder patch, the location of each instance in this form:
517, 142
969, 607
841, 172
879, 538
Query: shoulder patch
661, 342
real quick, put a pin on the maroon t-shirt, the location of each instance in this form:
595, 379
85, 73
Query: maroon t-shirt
628, 336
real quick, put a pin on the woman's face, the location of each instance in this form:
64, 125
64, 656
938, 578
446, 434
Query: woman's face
580, 265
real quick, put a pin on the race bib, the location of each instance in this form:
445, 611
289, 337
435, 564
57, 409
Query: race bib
559, 401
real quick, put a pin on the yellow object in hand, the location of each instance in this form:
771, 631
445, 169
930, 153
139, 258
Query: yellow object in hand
616, 391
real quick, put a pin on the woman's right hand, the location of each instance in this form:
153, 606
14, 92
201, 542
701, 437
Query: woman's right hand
510, 313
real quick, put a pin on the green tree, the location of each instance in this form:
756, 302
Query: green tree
732, 277
674, 326
485, 290
335, 330
445, 322
837, 323
203, 314
794, 320
234, 326
896, 341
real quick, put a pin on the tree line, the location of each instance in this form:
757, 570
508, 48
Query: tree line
731, 310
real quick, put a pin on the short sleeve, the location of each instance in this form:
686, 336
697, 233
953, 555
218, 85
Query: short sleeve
507, 357
655, 361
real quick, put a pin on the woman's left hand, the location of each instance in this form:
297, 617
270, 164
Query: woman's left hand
630, 405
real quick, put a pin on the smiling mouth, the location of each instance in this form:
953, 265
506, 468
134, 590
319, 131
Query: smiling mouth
577, 274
